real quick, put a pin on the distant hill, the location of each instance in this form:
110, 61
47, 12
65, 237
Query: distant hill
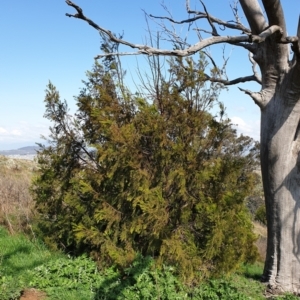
24, 151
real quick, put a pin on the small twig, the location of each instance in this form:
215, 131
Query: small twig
253, 62
214, 30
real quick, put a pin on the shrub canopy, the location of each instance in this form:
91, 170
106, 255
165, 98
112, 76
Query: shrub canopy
152, 173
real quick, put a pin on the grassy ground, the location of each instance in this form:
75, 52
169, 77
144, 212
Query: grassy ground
29, 264
19, 262
18, 256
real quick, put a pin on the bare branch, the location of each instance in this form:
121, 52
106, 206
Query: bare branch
234, 81
175, 39
265, 34
247, 40
145, 49
204, 16
255, 77
211, 59
276, 17
189, 20
296, 43
257, 97
254, 15
234, 9
250, 47
117, 54
275, 14
254, 64
214, 30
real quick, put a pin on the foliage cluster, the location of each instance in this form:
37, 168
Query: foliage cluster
256, 203
260, 215
152, 173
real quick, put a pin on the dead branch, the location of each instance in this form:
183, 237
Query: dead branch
295, 42
202, 15
257, 97
145, 49
214, 30
234, 81
254, 15
254, 64
275, 14
248, 40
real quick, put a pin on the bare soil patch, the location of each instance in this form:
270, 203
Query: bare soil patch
33, 294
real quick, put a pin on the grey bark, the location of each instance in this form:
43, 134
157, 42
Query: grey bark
280, 153
280, 164
279, 101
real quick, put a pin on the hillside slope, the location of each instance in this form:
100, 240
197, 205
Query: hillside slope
16, 205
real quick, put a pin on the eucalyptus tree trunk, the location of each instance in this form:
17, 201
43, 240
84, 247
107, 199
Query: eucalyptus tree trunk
280, 164
279, 100
280, 152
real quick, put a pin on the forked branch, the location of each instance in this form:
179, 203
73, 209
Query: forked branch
205, 15
254, 15
148, 50
257, 97
275, 14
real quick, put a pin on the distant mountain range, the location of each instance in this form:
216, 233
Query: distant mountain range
29, 150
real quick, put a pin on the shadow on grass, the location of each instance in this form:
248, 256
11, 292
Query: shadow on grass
253, 272
21, 249
114, 286
256, 277
20, 257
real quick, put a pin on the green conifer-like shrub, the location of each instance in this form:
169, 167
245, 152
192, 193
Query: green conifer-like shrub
152, 173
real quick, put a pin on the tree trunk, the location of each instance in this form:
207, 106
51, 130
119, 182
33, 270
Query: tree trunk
280, 163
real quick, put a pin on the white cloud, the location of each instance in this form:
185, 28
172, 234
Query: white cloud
2, 130
24, 133
241, 124
247, 128
16, 132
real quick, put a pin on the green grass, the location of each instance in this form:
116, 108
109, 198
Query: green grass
25, 264
18, 255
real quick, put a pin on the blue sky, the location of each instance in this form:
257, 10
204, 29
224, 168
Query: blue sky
39, 43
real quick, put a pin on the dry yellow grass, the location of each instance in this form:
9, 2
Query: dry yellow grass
261, 231
16, 205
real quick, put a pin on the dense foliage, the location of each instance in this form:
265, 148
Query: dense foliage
152, 173
139, 281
